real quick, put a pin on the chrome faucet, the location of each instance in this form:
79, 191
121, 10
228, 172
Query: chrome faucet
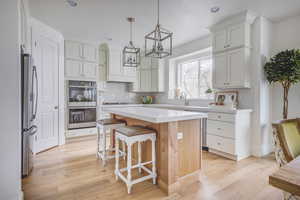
184, 96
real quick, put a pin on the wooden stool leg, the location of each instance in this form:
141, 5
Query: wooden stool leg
139, 157
129, 185
153, 161
117, 157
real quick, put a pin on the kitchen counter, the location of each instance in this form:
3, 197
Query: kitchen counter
155, 115
180, 107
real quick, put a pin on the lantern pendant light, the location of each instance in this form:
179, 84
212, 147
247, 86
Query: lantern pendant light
131, 54
158, 43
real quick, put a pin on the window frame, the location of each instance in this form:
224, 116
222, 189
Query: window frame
189, 60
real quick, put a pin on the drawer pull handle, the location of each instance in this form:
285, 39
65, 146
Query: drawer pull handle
219, 143
219, 117
219, 129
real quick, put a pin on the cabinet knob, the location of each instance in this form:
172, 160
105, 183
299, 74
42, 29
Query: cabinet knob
219, 143
219, 129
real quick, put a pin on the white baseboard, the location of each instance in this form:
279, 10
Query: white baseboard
21, 195
81, 132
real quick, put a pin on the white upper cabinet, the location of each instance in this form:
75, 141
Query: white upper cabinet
231, 37
80, 51
220, 40
231, 41
150, 76
81, 61
220, 77
73, 69
73, 50
89, 53
89, 70
231, 69
110, 62
145, 81
237, 37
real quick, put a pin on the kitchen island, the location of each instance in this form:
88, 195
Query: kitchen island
178, 146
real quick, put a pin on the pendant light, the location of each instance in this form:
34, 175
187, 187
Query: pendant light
131, 54
158, 43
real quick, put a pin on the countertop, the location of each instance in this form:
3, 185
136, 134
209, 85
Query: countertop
180, 107
154, 115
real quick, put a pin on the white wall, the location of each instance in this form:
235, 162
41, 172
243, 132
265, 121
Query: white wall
287, 36
10, 135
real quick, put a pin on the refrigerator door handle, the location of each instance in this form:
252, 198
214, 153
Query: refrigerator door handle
34, 74
31, 131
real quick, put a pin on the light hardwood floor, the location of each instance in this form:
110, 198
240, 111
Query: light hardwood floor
72, 172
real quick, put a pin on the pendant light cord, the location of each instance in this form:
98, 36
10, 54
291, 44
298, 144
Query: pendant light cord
130, 31
158, 12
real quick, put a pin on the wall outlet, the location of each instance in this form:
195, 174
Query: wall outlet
179, 136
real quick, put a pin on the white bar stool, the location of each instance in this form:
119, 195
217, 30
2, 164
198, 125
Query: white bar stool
131, 135
102, 127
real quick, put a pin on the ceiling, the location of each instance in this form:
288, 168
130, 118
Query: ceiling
98, 20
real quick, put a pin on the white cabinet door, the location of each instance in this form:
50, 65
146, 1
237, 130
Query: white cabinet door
220, 77
145, 62
73, 50
219, 40
73, 69
89, 70
130, 71
89, 53
236, 68
115, 68
145, 76
154, 80
236, 36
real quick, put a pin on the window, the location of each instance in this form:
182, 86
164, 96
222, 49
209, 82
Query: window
194, 77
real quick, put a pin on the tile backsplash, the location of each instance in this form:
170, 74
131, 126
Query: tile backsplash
117, 92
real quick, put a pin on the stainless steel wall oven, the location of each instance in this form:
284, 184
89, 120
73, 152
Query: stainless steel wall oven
82, 93
82, 117
82, 104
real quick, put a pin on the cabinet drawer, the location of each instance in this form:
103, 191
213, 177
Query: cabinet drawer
221, 144
221, 117
220, 128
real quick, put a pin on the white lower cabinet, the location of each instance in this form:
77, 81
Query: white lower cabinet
228, 135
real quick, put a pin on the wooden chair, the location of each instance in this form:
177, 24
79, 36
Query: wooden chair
286, 134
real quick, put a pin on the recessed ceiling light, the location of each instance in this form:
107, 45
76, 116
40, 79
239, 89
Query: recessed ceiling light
72, 3
215, 9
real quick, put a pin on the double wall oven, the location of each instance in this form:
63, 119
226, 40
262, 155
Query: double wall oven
82, 104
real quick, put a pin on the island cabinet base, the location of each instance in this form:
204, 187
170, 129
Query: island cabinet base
178, 159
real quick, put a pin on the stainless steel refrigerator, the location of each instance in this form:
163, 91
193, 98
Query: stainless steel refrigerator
29, 87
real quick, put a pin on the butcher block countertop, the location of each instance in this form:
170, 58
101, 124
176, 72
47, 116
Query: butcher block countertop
155, 115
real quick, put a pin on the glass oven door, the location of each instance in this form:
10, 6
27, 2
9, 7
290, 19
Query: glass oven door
82, 93
82, 117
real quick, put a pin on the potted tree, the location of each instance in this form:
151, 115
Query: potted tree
284, 68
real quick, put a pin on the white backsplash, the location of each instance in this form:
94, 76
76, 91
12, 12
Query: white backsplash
117, 92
